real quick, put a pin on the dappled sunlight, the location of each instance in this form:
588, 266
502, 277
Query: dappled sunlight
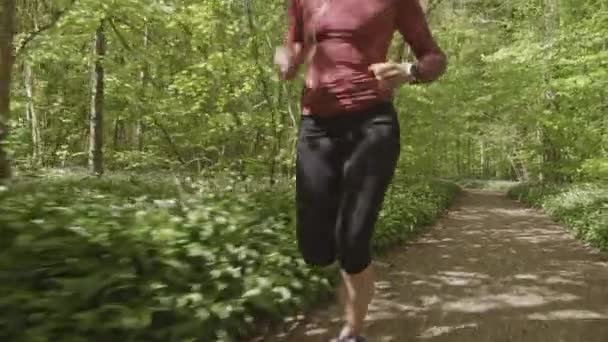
427, 301
459, 278
520, 212
381, 309
314, 331
568, 315
428, 283
557, 280
441, 330
519, 297
489, 269
526, 277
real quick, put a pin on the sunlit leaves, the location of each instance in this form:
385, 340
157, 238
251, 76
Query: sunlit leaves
138, 258
582, 207
213, 88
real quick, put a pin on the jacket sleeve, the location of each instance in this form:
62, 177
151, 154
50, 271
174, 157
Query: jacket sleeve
413, 26
294, 23
294, 37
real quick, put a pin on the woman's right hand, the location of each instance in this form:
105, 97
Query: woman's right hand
392, 75
287, 59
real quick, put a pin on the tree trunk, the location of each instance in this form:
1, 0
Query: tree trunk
484, 161
469, 168
265, 89
97, 102
7, 29
515, 169
458, 157
138, 132
549, 165
31, 113
171, 143
119, 134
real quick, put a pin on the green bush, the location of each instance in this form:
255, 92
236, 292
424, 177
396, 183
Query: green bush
595, 170
496, 185
410, 206
125, 259
581, 207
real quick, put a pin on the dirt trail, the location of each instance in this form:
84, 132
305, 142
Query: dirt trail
490, 271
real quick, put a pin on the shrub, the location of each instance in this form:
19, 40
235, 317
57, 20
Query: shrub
581, 207
126, 259
495, 185
595, 170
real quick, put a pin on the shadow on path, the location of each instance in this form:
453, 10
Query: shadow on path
490, 271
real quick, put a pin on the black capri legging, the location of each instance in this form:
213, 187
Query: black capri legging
344, 166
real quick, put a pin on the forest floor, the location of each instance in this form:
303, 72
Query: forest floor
491, 270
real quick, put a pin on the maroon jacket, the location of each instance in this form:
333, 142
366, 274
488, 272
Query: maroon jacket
342, 38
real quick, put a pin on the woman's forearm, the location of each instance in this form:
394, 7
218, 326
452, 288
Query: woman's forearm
411, 22
430, 65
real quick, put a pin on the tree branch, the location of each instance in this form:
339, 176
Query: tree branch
170, 141
43, 28
125, 22
121, 38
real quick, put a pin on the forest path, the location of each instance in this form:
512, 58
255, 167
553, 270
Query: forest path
491, 270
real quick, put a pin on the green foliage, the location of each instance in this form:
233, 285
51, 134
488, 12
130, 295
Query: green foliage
581, 207
128, 259
595, 170
523, 99
496, 185
409, 207
189, 86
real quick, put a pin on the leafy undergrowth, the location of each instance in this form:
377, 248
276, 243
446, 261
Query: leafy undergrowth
127, 259
495, 185
581, 207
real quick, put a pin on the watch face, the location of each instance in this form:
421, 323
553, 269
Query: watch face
414, 70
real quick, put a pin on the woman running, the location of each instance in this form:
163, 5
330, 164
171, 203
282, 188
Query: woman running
348, 141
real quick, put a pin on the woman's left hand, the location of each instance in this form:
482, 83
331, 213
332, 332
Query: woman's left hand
391, 74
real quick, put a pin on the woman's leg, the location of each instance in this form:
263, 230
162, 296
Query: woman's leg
318, 176
368, 171
356, 293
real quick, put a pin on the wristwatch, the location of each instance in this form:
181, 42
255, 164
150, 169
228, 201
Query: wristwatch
412, 70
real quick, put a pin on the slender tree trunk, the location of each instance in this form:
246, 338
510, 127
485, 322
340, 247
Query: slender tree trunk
604, 109
469, 168
549, 167
7, 29
171, 143
138, 132
484, 160
31, 113
458, 157
119, 134
265, 89
515, 169
97, 102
